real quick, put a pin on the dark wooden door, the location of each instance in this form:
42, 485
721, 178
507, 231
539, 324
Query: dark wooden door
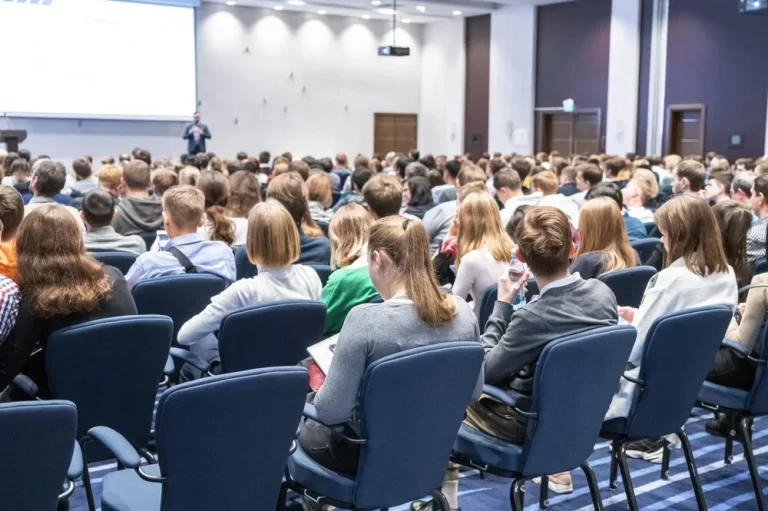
569, 133
586, 133
394, 132
685, 129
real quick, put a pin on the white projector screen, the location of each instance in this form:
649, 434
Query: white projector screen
100, 59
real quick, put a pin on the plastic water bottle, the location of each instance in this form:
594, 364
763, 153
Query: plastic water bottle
516, 270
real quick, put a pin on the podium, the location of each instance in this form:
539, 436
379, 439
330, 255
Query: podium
12, 139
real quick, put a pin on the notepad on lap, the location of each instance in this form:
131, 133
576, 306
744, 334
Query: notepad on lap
322, 353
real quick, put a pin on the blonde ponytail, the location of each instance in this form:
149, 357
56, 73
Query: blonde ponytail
222, 228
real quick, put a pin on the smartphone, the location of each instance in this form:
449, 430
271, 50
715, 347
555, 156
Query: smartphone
162, 239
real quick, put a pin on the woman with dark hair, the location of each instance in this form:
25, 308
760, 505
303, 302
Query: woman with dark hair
418, 197
60, 286
734, 220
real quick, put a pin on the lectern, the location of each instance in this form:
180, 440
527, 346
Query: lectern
12, 139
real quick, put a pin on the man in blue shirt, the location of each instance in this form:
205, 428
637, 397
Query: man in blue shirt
635, 228
195, 134
183, 214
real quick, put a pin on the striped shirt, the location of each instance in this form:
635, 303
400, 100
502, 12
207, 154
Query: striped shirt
756, 240
9, 306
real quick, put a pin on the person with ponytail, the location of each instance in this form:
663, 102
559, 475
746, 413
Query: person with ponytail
218, 226
415, 313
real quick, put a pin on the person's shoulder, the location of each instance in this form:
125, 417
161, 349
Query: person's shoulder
113, 273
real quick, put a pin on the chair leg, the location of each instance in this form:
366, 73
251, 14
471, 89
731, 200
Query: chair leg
517, 495
665, 462
594, 489
615, 446
750, 456
87, 480
691, 462
442, 502
730, 435
482, 474
544, 493
282, 497
627, 479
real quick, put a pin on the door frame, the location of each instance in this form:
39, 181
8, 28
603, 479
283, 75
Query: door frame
541, 111
681, 107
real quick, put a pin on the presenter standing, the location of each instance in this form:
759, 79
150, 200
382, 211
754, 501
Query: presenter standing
195, 134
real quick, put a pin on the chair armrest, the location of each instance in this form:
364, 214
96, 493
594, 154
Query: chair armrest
511, 400
75, 469
117, 444
310, 412
741, 350
633, 380
170, 366
190, 358
26, 385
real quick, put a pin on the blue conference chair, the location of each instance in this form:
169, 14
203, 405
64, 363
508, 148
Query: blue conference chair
39, 454
323, 272
677, 354
741, 407
652, 230
265, 335
323, 227
761, 266
244, 269
629, 285
336, 196
492, 294
401, 459
574, 382
149, 238
120, 260
232, 456
645, 248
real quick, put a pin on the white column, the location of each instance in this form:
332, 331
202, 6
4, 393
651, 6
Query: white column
443, 82
658, 78
623, 77
512, 79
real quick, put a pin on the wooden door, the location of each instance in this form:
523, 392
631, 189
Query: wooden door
557, 132
685, 130
394, 132
586, 133
569, 133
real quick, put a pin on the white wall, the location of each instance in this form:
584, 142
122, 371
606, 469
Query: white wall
512, 79
443, 85
623, 77
309, 84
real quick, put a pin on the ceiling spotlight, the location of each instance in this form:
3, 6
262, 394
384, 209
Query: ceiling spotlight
421, 8
376, 3
387, 11
406, 20
278, 7
457, 13
366, 16
231, 3
295, 2
321, 13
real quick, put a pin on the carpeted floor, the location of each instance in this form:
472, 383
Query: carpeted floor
725, 486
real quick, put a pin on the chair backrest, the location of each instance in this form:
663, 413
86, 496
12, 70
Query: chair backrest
652, 230
270, 334
486, 305
223, 441
244, 269
323, 227
110, 369
36, 442
629, 285
120, 260
761, 266
677, 356
179, 297
758, 399
574, 382
335, 196
411, 405
149, 238
323, 271
645, 248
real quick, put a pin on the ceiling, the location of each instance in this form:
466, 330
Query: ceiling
409, 11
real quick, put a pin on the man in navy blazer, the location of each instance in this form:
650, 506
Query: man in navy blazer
195, 134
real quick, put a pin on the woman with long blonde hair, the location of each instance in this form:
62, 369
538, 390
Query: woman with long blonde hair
350, 284
484, 249
604, 244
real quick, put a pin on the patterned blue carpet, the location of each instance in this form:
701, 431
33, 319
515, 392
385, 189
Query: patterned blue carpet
725, 486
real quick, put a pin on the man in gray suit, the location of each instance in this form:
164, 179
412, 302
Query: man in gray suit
195, 134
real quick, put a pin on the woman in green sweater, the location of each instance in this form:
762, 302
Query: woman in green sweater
350, 284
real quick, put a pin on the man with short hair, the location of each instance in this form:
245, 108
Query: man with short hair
761, 167
97, 214
85, 181
142, 155
195, 133
242, 156
587, 176
264, 158
447, 191
137, 212
718, 188
509, 190
359, 178
48, 179
11, 215
162, 180
689, 176
383, 196
201, 161
25, 154
613, 168
741, 187
568, 182
20, 177
341, 168
440, 161
719, 164
124, 158
187, 251
756, 236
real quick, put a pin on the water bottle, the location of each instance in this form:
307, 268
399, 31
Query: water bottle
516, 270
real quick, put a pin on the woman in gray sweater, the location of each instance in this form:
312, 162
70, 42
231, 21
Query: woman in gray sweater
415, 313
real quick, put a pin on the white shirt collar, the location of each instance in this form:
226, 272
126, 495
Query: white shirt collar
575, 277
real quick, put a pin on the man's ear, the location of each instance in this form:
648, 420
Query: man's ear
572, 252
685, 182
519, 255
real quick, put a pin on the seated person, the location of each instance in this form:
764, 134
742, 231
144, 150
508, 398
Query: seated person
137, 212
11, 215
359, 177
273, 246
546, 183
162, 180
415, 313
61, 285
48, 179
110, 176
509, 190
84, 179
634, 227
320, 197
291, 191
350, 285
604, 245
587, 176
756, 236
97, 214
20, 175
640, 190
218, 226
183, 214
383, 196
568, 182
417, 197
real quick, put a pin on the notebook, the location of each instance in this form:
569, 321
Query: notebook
322, 352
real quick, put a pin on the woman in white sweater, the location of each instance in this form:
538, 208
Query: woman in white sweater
273, 246
484, 249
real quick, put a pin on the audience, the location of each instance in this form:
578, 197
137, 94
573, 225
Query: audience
641, 190
60, 286
635, 228
244, 194
20, 178
546, 184
689, 176
187, 251
568, 182
741, 189
604, 244
418, 197
718, 187
509, 190
218, 226
341, 169
11, 215
291, 191
587, 176
359, 177
383, 196
273, 246
697, 275
162, 180
137, 212
756, 237
349, 285
734, 221
97, 214
320, 197
48, 180
110, 177
446, 192
85, 182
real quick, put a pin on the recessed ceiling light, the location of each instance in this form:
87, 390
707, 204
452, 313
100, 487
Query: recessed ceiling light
278, 7
295, 2
376, 3
321, 13
366, 16
406, 20
387, 11
231, 3
421, 8
457, 13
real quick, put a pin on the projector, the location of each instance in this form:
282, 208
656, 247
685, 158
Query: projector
394, 51
753, 6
